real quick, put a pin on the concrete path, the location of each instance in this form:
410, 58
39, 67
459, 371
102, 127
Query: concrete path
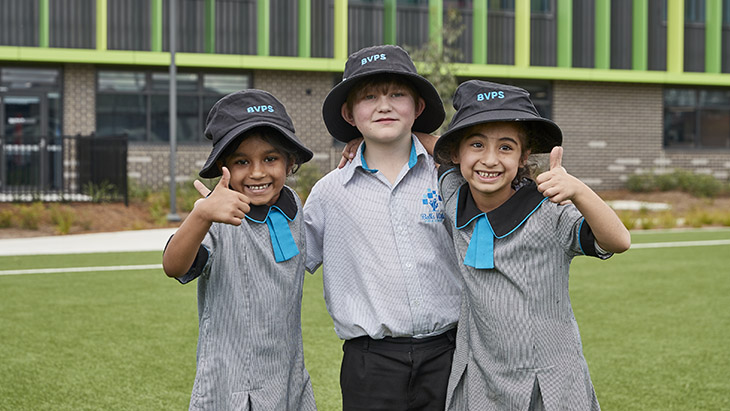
135, 240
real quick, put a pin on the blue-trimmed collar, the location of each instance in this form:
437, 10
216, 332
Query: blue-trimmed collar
506, 218
417, 150
286, 204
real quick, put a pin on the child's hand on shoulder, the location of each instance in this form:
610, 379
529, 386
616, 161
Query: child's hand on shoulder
348, 153
556, 184
222, 205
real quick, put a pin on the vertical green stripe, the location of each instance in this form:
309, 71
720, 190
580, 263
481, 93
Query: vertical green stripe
675, 36
210, 26
389, 22
565, 33
43, 23
713, 36
479, 33
522, 33
263, 10
305, 28
340, 40
602, 46
640, 35
101, 24
436, 22
156, 25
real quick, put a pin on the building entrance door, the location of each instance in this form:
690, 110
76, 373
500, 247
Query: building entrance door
31, 152
31, 149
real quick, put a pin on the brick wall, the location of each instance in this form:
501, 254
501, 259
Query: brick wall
79, 99
149, 165
611, 131
302, 94
614, 130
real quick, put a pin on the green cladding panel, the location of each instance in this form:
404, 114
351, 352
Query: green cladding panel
713, 36
565, 33
640, 35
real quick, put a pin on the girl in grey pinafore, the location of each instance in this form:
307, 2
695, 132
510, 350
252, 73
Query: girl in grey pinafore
250, 354
517, 344
246, 245
517, 329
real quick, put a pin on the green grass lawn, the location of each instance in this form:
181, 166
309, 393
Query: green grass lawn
655, 325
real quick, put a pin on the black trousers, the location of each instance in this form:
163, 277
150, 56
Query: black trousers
396, 373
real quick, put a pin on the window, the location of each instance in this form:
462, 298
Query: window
136, 103
697, 118
536, 6
694, 11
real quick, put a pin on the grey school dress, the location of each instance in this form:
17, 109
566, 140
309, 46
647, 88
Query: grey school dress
516, 329
250, 354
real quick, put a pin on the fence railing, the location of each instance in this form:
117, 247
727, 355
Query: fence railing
63, 168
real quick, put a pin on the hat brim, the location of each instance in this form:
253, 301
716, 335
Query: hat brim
544, 143
210, 170
430, 119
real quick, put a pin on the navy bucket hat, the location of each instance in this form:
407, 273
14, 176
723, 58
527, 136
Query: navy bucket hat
242, 111
372, 61
478, 102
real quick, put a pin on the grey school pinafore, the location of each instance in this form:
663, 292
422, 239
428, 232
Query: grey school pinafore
517, 331
250, 354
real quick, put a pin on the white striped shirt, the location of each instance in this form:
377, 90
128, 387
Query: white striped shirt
388, 266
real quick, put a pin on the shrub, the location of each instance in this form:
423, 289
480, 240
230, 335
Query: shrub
304, 179
704, 186
102, 192
158, 204
6, 218
30, 215
63, 218
699, 185
667, 219
627, 218
698, 218
640, 183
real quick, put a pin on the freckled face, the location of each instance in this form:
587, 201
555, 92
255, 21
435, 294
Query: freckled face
384, 116
489, 157
258, 170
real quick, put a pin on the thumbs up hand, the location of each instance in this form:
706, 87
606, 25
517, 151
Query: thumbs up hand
556, 184
222, 205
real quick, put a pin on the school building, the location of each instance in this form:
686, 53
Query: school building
637, 86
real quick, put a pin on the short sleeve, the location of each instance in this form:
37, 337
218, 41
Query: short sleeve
201, 262
450, 180
576, 234
314, 229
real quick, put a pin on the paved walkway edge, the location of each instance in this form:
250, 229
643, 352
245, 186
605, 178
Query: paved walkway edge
122, 241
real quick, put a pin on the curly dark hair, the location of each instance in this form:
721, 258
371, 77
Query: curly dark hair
526, 131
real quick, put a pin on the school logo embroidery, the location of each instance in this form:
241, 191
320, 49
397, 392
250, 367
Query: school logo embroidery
432, 202
490, 96
372, 58
260, 109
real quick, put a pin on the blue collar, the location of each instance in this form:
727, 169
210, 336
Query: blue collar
412, 158
506, 218
277, 218
498, 223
